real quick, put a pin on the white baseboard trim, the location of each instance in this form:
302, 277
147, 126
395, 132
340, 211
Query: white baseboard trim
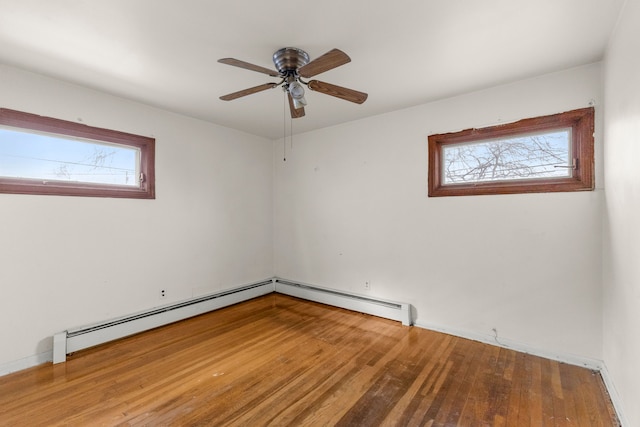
25, 363
571, 359
615, 397
514, 345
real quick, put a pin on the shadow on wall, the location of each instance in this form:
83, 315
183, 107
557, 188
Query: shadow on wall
44, 345
413, 314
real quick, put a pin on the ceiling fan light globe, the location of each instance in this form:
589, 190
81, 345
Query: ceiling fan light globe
296, 90
299, 102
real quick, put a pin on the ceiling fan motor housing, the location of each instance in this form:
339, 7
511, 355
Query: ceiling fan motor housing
289, 59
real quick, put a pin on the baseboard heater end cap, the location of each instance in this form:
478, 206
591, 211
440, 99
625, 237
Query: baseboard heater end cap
60, 347
405, 314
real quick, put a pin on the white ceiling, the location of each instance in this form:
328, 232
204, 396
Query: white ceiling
404, 52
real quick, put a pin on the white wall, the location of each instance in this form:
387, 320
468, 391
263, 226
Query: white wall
351, 206
69, 261
622, 211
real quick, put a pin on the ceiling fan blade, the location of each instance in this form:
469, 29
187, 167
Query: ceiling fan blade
295, 113
338, 91
247, 66
332, 59
249, 91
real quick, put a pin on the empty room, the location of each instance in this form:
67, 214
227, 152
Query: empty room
320, 213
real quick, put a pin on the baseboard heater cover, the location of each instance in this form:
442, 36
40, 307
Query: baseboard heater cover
77, 339
376, 307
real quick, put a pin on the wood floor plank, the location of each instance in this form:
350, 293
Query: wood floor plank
405, 406
278, 360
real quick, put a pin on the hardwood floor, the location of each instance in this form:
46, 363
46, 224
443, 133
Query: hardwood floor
277, 360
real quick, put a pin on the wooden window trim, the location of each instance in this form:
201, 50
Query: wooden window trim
580, 121
146, 190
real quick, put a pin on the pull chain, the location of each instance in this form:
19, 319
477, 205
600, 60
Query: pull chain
284, 127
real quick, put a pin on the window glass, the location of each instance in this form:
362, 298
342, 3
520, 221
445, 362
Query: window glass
534, 156
51, 158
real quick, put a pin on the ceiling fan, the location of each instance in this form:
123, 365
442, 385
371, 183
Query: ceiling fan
291, 65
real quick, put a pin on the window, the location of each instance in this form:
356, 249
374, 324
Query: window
42, 155
542, 154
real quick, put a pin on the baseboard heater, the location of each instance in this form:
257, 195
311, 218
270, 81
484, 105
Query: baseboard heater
88, 336
77, 339
363, 304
